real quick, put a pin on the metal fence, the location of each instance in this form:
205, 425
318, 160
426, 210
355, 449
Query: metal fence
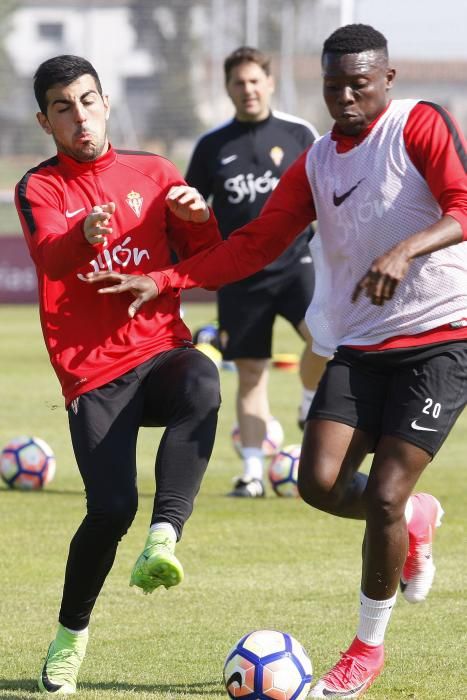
161, 63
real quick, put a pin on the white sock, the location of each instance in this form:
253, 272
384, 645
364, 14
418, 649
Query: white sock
409, 510
76, 632
253, 462
166, 527
374, 618
307, 397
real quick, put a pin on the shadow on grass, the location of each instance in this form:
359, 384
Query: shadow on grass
142, 495
23, 685
208, 688
39, 493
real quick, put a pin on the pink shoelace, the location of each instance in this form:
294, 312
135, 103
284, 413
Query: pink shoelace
348, 668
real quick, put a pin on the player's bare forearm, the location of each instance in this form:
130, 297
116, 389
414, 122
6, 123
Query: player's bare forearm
446, 232
383, 277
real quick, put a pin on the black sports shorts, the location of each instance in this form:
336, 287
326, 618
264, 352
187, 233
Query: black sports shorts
414, 393
178, 388
247, 310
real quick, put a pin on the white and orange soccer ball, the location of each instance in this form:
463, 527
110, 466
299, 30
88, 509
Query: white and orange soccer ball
267, 664
283, 471
27, 463
273, 440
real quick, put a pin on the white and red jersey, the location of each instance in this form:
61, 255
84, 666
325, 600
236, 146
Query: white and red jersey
367, 193
89, 336
367, 200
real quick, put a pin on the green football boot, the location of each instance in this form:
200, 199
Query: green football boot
64, 657
157, 565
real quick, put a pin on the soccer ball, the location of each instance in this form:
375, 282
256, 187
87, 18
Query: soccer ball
27, 463
272, 442
283, 471
268, 664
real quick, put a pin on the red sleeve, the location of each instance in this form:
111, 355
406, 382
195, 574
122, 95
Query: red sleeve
185, 237
188, 238
287, 212
436, 147
55, 249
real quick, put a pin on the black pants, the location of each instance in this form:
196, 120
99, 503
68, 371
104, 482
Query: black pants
178, 389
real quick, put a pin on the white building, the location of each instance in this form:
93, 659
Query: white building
100, 30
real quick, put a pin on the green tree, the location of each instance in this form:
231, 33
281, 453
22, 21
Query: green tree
164, 30
10, 87
7, 73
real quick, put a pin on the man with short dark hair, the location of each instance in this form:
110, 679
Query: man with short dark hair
387, 186
237, 165
91, 208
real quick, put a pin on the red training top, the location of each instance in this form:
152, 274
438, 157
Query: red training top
89, 336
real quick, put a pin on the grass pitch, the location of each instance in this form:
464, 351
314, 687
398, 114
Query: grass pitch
273, 563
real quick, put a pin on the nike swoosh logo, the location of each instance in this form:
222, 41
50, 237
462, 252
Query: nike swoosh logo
339, 198
341, 693
47, 683
235, 678
415, 426
228, 159
71, 214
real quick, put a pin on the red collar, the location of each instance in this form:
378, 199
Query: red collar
104, 161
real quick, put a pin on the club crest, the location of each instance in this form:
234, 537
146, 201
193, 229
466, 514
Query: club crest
135, 201
277, 154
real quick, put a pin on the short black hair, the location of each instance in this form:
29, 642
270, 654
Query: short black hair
246, 54
61, 70
355, 38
